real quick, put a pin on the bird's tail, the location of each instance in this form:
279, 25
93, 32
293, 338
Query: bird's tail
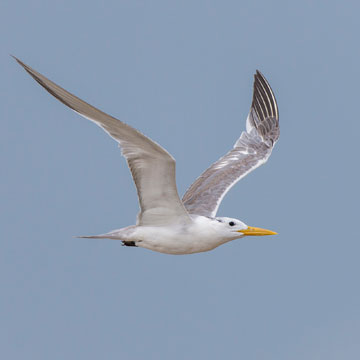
90, 237
119, 234
114, 235
101, 236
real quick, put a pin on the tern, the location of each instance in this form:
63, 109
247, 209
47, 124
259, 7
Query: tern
165, 223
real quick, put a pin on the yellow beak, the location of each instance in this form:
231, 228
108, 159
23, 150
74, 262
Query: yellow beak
254, 231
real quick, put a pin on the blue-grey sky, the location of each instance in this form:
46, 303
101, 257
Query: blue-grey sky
182, 73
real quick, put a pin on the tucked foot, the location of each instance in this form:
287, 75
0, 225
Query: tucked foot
129, 243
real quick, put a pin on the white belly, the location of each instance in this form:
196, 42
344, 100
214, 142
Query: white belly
177, 240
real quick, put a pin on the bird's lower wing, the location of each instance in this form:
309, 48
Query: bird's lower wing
152, 167
251, 150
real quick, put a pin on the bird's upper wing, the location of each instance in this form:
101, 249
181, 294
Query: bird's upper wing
152, 167
251, 150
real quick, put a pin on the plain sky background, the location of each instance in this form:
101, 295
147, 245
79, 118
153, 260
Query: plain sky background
181, 72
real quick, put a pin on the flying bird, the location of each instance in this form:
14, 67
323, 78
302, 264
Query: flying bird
165, 223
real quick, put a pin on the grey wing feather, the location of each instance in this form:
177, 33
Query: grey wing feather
251, 150
152, 167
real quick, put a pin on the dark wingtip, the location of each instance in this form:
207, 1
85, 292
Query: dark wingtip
26, 67
264, 101
259, 74
17, 60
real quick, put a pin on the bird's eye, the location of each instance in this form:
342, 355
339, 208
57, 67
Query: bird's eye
231, 223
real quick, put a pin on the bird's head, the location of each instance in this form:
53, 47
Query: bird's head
235, 228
